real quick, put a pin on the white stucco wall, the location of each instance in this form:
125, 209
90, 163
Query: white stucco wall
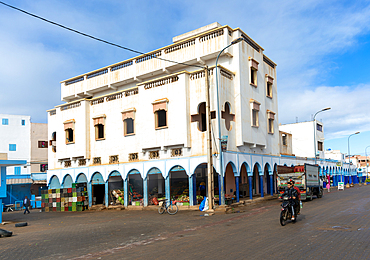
20, 135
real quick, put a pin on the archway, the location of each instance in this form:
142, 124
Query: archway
267, 179
67, 181
200, 183
115, 189
81, 178
98, 188
156, 184
54, 182
230, 186
274, 179
179, 184
244, 182
256, 189
135, 188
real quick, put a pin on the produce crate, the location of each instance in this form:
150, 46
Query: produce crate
46, 209
74, 194
62, 209
66, 209
74, 209
58, 209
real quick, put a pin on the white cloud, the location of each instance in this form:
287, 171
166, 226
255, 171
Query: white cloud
349, 108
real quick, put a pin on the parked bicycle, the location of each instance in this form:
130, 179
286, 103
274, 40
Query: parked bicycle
169, 206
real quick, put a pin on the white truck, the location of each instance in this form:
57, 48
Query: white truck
306, 177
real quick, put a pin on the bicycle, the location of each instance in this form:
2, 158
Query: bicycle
164, 205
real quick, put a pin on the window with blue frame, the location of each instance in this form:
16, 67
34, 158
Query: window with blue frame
12, 147
23, 122
17, 170
5, 121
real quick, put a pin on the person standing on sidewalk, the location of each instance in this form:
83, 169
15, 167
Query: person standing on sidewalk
328, 186
26, 205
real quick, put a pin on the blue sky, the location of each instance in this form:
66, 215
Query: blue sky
322, 49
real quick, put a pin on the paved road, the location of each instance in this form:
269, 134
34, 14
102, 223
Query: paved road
334, 227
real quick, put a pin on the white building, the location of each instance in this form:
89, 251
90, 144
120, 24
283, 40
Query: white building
15, 131
305, 137
26, 141
335, 155
143, 120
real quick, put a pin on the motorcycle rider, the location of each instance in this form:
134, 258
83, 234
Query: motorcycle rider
292, 194
298, 199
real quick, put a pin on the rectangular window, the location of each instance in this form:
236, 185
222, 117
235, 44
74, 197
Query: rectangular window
23, 122
269, 89
320, 146
128, 117
161, 118
99, 123
5, 121
253, 71
69, 136
255, 108
319, 127
17, 170
99, 132
129, 126
270, 122
271, 126
284, 139
253, 76
254, 117
69, 127
43, 144
12, 147
160, 113
269, 84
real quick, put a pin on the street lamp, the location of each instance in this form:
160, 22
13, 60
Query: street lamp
349, 154
314, 128
221, 189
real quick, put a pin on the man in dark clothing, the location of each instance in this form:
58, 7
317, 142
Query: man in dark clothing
298, 208
292, 194
26, 205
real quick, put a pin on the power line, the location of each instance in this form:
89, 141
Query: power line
92, 37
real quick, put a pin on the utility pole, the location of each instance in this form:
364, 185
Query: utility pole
209, 142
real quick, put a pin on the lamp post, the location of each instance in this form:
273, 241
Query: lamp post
314, 128
349, 154
221, 189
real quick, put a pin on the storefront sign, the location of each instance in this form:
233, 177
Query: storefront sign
340, 185
224, 143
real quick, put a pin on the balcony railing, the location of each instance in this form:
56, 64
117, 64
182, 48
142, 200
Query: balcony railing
70, 106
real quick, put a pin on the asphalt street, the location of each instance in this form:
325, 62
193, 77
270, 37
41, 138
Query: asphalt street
336, 226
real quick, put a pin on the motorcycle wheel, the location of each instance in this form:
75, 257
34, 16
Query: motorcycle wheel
283, 215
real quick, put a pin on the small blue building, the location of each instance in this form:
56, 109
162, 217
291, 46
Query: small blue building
3, 164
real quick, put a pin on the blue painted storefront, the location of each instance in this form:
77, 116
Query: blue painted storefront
3, 186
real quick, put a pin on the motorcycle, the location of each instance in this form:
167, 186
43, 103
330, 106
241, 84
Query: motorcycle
286, 211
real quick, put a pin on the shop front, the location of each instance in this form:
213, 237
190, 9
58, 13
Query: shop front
179, 185
115, 194
156, 186
135, 188
97, 189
